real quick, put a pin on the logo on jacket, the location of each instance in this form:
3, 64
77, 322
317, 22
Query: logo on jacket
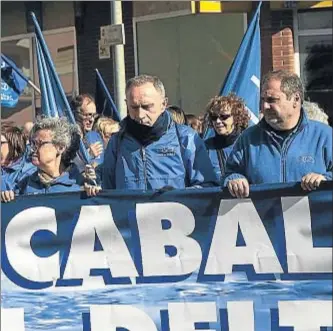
306, 159
166, 151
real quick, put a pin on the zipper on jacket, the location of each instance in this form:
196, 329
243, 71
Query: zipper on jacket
221, 158
144, 160
284, 150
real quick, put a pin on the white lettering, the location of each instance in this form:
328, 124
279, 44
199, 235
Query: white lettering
111, 317
258, 250
114, 256
17, 240
183, 315
154, 239
305, 315
240, 315
301, 255
12, 319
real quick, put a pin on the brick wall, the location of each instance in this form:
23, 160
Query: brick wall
127, 7
96, 14
277, 46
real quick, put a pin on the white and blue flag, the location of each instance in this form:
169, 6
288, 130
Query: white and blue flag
243, 77
13, 82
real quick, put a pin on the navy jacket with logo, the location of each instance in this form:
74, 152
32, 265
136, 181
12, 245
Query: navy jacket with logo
259, 156
178, 159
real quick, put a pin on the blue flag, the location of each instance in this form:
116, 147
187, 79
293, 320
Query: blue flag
52, 105
244, 75
54, 100
104, 103
13, 82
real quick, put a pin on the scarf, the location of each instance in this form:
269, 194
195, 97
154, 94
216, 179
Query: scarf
147, 134
221, 142
47, 179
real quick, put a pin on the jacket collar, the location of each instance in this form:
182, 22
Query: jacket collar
123, 130
14, 166
299, 127
64, 179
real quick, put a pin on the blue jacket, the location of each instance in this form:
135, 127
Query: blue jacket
32, 185
16, 172
177, 160
259, 156
218, 155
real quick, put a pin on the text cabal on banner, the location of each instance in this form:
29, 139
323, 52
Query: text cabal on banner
166, 261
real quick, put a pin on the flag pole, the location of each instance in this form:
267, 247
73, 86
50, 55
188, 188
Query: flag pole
33, 86
70, 115
108, 95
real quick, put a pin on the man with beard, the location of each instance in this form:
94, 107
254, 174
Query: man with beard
285, 146
151, 151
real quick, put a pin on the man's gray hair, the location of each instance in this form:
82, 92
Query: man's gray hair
144, 79
290, 82
64, 135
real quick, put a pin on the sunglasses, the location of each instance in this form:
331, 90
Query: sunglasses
4, 142
36, 145
89, 115
222, 117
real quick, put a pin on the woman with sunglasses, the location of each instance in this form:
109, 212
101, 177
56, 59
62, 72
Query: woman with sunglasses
228, 116
54, 143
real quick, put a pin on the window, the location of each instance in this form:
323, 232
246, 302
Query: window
19, 50
62, 47
315, 56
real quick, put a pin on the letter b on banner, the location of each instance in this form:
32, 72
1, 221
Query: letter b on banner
154, 239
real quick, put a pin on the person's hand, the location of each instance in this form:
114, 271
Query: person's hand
91, 190
7, 196
311, 181
95, 149
239, 188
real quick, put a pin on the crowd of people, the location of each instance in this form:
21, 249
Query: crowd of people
158, 146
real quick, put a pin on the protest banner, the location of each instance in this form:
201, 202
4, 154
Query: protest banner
183, 260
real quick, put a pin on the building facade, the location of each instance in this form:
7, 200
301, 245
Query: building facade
189, 44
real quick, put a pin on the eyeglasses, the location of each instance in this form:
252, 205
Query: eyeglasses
4, 142
222, 117
89, 115
36, 145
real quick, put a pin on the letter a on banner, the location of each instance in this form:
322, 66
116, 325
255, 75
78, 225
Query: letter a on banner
224, 254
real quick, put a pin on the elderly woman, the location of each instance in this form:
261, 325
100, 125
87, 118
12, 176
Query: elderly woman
14, 164
54, 143
228, 117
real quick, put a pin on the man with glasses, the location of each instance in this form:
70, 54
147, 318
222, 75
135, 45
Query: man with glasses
285, 146
85, 114
228, 116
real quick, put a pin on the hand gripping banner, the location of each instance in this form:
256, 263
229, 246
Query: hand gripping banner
184, 260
